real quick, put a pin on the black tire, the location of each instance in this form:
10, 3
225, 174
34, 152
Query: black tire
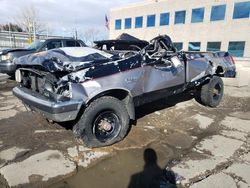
104, 122
211, 93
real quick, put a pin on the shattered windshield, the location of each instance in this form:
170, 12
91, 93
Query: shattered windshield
35, 45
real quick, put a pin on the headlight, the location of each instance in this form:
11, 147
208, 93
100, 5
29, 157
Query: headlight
4, 57
18, 76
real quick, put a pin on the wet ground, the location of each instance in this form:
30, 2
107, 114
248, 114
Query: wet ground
196, 146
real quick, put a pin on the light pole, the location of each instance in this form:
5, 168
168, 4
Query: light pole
75, 33
64, 31
30, 25
10, 35
34, 31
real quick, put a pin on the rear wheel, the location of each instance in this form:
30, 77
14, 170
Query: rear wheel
104, 122
211, 93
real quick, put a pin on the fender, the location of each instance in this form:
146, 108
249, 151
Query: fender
121, 94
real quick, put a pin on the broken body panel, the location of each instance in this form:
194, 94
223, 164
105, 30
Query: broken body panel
58, 83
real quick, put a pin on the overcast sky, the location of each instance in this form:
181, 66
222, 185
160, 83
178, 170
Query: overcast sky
64, 15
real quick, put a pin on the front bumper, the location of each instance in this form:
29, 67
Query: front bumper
7, 67
58, 111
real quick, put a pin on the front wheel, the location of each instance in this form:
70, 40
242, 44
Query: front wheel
104, 122
212, 92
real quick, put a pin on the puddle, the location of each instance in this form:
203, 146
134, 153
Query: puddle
117, 170
7, 84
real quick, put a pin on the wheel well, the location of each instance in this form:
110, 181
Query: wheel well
122, 95
219, 70
117, 93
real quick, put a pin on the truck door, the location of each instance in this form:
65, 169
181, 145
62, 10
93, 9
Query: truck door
163, 74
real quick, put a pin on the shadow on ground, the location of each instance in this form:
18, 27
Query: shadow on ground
152, 175
161, 104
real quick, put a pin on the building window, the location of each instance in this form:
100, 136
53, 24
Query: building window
194, 46
236, 48
213, 46
197, 15
179, 17
138, 22
178, 45
164, 19
128, 22
150, 20
241, 10
218, 13
118, 24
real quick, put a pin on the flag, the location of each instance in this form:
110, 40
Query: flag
106, 22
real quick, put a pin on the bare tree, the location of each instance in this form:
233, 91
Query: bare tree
90, 35
10, 27
28, 20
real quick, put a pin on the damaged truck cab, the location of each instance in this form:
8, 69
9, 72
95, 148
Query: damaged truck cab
100, 89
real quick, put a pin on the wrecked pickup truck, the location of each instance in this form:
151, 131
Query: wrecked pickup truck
100, 89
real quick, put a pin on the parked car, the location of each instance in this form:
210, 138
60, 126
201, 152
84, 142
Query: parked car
224, 62
100, 90
7, 56
227, 64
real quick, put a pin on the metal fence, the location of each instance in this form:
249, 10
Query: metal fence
18, 39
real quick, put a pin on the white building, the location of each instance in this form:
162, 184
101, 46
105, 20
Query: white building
202, 25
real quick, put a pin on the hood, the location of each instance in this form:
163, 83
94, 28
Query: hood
66, 59
5, 51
